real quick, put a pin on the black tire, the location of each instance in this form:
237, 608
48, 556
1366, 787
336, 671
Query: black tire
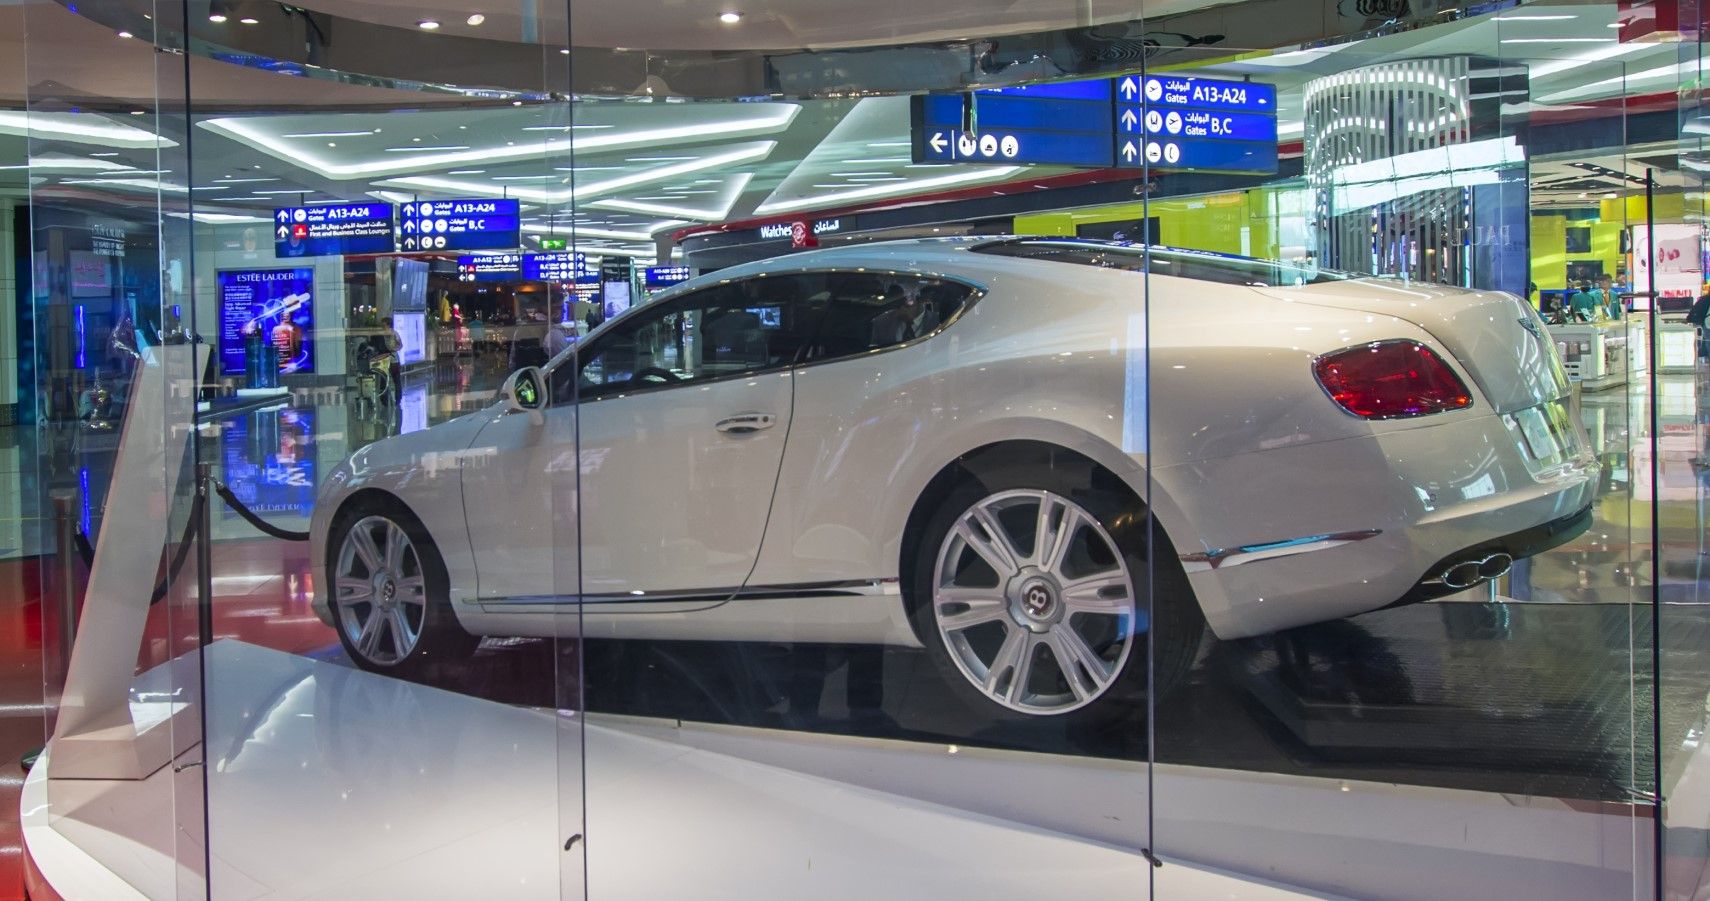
1175, 626
440, 639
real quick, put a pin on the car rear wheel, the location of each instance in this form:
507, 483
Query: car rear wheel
389, 594
1030, 592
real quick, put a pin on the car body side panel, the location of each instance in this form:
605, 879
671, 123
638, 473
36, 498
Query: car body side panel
423, 470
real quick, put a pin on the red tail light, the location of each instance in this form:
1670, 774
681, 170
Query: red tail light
1391, 380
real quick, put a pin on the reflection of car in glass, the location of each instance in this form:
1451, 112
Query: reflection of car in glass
957, 444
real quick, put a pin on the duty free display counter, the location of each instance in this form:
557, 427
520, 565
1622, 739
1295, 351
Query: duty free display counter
1602, 355
1677, 347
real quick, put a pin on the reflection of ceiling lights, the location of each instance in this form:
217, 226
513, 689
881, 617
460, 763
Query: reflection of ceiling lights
985, 173
750, 119
81, 128
718, 209
730, 18
585, 189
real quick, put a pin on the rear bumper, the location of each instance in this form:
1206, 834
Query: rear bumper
1377, 516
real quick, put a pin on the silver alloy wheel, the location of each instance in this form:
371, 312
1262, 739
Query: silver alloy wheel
381, 598
1056, 628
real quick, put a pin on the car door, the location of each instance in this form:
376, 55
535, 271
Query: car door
684, 410
518, 500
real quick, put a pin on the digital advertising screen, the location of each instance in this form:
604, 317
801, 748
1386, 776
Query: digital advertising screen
275, 306
409, 284
411, 327
614, 297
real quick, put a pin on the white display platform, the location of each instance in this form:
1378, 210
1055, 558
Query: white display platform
328, 782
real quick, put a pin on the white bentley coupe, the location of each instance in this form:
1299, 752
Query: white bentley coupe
1044, 460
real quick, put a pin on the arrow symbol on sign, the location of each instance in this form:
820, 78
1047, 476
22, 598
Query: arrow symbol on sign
938, 143
1129, 151
410, 225
1128, 119
409, 243
1128, 88
283, 215
284, 232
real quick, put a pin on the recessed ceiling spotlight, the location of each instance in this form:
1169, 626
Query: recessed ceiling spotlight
427, 24
139, 112
564, 50
217, 18
126, 34
475, 19
730, 18
250, 20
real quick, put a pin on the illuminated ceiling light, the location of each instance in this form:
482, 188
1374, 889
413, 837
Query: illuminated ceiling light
564, 50
126, 34
427, 24
329, 134
1533, 18
250, 20
730, 18
217, 18
1557, 40
475, 19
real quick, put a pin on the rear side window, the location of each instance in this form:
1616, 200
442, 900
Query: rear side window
1195, 264
873, 311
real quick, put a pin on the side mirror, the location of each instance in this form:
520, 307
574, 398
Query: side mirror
525, 392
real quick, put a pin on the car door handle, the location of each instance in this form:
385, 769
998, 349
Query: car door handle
745, 423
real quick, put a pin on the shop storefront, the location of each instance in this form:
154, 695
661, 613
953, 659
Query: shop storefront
1166, 450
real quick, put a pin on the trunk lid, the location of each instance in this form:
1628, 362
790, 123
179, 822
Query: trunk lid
1496, 338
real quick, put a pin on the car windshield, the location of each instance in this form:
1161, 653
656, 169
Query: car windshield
1195, 264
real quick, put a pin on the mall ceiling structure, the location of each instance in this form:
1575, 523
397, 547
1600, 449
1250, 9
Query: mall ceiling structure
484, 108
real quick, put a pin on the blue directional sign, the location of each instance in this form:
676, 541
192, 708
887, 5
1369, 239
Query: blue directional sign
1164, 122
666, 276
558, 267
1167, 91
1176, 122
479, 224
489, 267
332, 229
1064, 124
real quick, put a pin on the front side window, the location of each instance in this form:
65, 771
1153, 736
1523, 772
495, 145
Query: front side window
728, 330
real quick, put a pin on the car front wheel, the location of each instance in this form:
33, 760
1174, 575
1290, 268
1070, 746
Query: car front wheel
389, 600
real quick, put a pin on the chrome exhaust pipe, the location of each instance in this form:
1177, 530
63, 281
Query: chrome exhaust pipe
1471, 572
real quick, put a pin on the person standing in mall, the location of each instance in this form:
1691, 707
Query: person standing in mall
1696, 316
1607, 300
393, 343
1582, 305
556, 340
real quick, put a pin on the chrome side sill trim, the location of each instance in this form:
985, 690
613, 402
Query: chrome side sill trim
1220, 558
